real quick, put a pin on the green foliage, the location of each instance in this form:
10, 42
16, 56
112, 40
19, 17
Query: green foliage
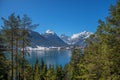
102, 54
100, 60
4, 63
15, 31
59, 73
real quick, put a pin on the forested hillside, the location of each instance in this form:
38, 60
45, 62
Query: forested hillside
100, 60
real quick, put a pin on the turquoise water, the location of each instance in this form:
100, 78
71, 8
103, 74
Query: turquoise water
51, 57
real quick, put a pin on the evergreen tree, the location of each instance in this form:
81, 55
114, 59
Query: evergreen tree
37, 70
9, 29
60, 75
25, 26
102, 53
73, 67
4, 67
16, 31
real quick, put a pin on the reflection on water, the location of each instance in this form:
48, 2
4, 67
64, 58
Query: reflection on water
53, 57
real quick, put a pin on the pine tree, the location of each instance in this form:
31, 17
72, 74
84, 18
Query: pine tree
25, 26
37, 70
9, 29
16, 31
4, 67
102, 53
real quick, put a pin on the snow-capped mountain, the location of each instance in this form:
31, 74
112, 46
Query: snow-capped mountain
76, 39
51, 39
65, 38
54, 39
48, 39
50, 32
37, 39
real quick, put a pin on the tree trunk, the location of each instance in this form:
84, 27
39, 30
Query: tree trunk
12, 52
17, 71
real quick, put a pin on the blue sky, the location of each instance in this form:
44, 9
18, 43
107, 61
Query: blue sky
62, 16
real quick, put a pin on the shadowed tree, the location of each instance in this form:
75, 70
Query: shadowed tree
25, 26
8, 29
16, 31
4, 67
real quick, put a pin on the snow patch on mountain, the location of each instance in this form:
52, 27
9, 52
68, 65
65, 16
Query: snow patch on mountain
65, 38
49, 32
83, 34
76, 39
51, 39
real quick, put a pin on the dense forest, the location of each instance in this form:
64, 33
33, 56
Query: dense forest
100, 60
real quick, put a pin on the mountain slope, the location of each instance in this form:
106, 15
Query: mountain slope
49, 39
76, 39
54, 40
37, 39
65, 38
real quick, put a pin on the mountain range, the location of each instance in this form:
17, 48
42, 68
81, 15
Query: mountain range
48, 39
76, 39
51, 39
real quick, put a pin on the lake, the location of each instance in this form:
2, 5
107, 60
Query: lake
53, 57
